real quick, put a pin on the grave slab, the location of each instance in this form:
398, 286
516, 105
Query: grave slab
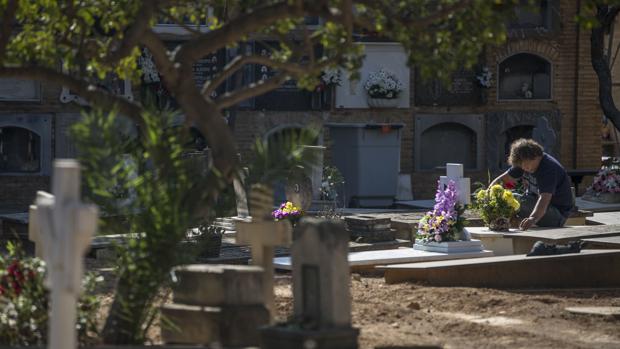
600, 311
610, 242
450, 246
493, 240
523, 242
604, 218
368, 259
596, 206
561, 271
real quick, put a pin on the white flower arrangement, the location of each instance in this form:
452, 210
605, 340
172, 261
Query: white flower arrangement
484, 79
331, 77
383, 84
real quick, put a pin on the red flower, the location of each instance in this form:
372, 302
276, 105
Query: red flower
509, 185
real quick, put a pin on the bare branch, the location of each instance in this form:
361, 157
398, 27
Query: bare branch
91, 93
252, 90
7, 26
234, 31
135, 31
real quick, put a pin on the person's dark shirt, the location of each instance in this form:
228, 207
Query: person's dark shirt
550, 177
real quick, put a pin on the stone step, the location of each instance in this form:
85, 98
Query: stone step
610, 242
590, 268
218, 285
233, 326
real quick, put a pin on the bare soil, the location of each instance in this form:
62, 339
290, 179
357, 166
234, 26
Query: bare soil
410, 314
413, 315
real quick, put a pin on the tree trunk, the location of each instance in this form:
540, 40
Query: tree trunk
605, 15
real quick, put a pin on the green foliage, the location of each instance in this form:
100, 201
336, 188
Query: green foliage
274, 158
24, 301
169, 194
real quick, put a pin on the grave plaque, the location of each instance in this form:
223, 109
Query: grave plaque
19, 90
463, 90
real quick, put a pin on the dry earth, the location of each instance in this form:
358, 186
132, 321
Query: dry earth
411, 314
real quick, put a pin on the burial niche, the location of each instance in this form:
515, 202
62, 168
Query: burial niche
20, 150
446, 143
511, 135
524, 76
533, 16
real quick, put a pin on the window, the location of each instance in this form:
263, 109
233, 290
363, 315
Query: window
533, 16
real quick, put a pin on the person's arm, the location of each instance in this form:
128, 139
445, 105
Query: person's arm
504, 177
539, 211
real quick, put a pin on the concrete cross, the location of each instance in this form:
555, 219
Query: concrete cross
454, 172
263, 234
61, 228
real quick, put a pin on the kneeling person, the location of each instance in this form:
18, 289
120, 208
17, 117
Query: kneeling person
548, 200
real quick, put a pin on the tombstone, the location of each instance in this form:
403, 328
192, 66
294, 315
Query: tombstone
61, 228
263, 234
322, 301
454, 172
544, 134
299, 189
463, 90
215, 303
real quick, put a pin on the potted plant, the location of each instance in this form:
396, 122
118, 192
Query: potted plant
288, 210
496, 205
383, 89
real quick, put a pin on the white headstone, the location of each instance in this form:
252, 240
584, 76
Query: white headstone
61, 228
463, 185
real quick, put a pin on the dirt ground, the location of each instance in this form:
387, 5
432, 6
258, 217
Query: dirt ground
412, 315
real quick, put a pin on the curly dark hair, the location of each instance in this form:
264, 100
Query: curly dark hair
524, 149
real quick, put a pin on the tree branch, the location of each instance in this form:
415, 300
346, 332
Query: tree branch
254, 89
7, 26
601, 66
239, 61
91, 93
134, 33
234, 31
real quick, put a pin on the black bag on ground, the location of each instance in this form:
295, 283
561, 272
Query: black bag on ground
543, 249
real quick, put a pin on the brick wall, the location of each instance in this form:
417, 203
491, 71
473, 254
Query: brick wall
19, 192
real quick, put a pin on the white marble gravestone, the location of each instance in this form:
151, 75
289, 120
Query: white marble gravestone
61, 228
388, 55
454, 172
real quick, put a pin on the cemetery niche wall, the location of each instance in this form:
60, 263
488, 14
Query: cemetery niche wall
25, 144
17, 90
379, 55
464, 90
503, 127
524, 76
448, 138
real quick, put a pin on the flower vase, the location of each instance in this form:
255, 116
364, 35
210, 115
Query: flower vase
382, 102
499, 224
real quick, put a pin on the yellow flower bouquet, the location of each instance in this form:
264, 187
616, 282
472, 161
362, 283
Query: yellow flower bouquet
496, 206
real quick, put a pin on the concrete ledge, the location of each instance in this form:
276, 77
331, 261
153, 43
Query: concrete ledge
590, 268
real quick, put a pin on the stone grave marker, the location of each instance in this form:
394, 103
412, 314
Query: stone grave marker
215, 304
322, 301
454, 172
369, 229
61, 228
263, 234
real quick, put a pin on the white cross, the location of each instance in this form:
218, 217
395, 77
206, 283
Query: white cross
61, 228
454, 172
263, 234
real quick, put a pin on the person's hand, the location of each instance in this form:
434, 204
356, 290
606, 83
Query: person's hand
527, 223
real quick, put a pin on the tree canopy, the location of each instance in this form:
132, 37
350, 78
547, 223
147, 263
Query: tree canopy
75, 43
